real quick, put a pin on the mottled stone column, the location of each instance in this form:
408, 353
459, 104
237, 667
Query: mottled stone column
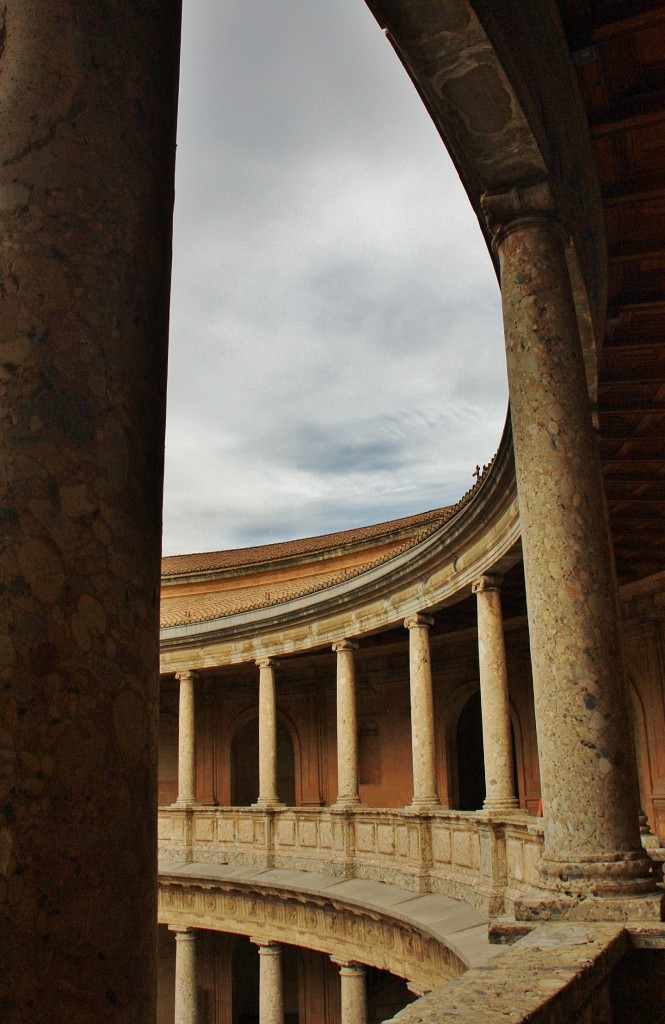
271, 997
497, 736
587, 762
353, 991
186, 740
186, 995
267, 735
422, 713
347, 725
87, 149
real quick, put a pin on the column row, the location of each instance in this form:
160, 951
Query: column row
271, 990
500, 788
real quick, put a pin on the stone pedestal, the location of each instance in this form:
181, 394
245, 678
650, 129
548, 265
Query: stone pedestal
353, 991
267, 735
186, 741
587, 764
347, 726
271, 997
423, 742
497, 737
186, 995
87, 115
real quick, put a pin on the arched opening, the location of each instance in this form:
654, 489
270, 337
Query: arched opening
245, 765
167, 790
469, 749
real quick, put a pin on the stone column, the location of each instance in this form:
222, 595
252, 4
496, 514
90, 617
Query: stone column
422, 713
186, 995
87, 149
497, 735
271, 996
267, 735
347, 726
587, 763
354, 991
186, 740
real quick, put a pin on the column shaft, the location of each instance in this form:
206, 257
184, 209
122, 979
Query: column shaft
271, 996
353, 992
347, 725
87, 150
497, 737
267, 734
422, 713
186, 993
587, 762
186, 740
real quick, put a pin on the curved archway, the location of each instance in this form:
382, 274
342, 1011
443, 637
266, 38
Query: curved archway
245, 764
467, 763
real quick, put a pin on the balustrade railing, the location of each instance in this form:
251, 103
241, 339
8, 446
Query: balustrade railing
487, 862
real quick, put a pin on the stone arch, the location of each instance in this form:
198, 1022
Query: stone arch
466, 701
168, 759
289, 762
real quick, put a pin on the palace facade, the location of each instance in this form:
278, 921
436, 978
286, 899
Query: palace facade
357, 731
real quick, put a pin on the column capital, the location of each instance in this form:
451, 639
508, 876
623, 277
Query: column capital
265, 663
345, 645
186, 675
266, 946
515, 208
418, 620
486, 582
182, 931
349, 966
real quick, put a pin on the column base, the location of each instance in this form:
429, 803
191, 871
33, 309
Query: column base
347, 804
184, 805
544, 906
424, 806
269, 805
496, 808
617, 874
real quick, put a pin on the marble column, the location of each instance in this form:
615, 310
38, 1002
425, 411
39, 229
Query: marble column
422, 713
186, 995
271, 996
497, 736
348, 793
186, 740
353, 991
587, 762
87, 150
267, 735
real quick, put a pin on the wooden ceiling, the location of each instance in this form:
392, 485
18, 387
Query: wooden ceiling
618, 47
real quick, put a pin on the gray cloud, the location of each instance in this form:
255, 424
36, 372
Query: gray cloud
336, 353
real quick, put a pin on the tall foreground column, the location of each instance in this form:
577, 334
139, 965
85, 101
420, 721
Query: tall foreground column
267, 734
347, 726
497, 736
87, 148
186, 993
422, 713
271, 994
186, 740
586, 757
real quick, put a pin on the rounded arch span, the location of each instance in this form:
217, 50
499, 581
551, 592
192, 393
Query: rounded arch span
241, 755
466, 752
642, 752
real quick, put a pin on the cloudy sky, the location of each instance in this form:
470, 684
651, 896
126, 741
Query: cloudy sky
336, 353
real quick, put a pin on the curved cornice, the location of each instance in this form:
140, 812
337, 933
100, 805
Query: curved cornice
439, 570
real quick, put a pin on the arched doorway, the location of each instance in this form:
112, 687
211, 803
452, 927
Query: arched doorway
245, 765
470, 754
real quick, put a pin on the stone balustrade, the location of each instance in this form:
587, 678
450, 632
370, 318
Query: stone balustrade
488, 862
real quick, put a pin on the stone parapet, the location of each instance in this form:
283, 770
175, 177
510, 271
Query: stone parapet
490, 863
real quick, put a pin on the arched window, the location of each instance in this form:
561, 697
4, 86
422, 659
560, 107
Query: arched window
245, 765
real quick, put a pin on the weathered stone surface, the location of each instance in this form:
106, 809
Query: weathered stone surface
87, 117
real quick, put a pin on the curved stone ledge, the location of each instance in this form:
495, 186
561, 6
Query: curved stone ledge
483, 536
427, 939
487, 862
